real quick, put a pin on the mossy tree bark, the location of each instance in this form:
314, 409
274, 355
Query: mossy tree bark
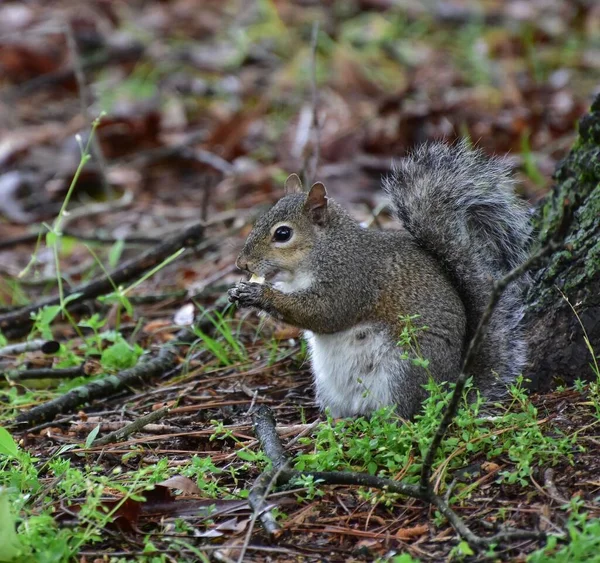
557, 345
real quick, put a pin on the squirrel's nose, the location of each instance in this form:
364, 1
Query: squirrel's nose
241, 263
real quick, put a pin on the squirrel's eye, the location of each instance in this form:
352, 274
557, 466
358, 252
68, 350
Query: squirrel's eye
282, 234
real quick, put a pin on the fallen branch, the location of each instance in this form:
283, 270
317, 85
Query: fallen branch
183, 149
45, 373
164, 361
135, 426
264, 427
132, 269
266, 432
257, 499
22, 347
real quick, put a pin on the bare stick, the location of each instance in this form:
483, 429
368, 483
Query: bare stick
183, 150
267, 435
20, 348
111, 384
257, 500
266, 431
165, 361
135, 426
46, 373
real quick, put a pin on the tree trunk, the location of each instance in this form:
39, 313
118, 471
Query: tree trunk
558, 350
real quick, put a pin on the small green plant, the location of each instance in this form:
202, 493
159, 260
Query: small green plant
10, 546
583, 539
402, 558
309, 483
225, 346
119, 294
8, 448
54, 234
387, 446
409, 342
120, 354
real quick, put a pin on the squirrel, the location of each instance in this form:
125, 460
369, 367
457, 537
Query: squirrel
351, 289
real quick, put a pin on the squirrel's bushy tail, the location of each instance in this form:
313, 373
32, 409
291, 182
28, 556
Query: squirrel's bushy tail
460, 206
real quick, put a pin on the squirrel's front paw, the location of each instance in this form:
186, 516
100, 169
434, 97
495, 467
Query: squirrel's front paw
246, 294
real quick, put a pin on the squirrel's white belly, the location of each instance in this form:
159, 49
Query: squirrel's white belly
356, 370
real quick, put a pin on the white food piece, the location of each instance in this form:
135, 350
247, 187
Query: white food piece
257, 279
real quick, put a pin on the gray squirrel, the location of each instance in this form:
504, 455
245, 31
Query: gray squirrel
351, 289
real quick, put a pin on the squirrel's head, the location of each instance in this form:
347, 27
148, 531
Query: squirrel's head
283, 237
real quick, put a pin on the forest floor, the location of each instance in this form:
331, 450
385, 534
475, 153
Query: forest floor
139, 140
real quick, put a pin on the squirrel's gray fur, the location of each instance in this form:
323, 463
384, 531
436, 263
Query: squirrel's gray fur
460, 206
349, 286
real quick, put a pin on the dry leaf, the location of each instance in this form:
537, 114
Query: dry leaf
181, 483
414, 532
489, 466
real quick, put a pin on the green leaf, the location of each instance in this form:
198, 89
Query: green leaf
246, 455
465, 549
48, 314
10, 546
8, 447
92, 436
72, 297
115, 253
119, 356
51, 239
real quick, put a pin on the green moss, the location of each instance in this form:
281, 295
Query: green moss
592, 264
577, 188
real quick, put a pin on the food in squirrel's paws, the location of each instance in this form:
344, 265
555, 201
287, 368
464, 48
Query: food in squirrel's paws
257, 279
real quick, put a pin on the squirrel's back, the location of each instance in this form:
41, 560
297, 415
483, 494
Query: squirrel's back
460, 207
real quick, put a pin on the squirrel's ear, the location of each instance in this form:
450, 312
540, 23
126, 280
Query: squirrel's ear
293, 184
316, 203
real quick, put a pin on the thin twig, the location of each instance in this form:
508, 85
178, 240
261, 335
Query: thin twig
265, 430
497, 290
165, 360
100, 389
267, 435
97, 208
260, 508
135, 426
46, 373
22, 347
184, 150
551, 487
